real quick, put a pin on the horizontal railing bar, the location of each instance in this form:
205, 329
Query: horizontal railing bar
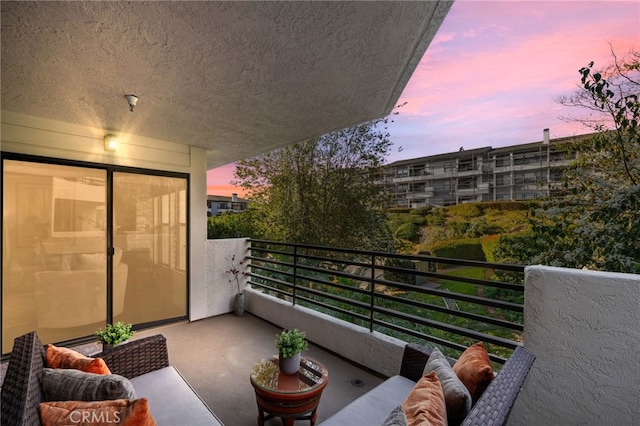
284, 253
506, 267
459, 313
418, 289
351, 302
273, 289
264, 268
458, 296
271, 280
436, 340
442, 309
271, 261
489, 283
315, 268
450, 328
364, 318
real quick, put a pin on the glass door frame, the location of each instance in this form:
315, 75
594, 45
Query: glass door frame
110, 170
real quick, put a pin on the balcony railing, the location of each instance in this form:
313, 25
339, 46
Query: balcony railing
447, 303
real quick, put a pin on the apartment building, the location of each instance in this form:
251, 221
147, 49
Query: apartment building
218, 204
517, 172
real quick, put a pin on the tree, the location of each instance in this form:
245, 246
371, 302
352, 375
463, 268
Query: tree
235, 225
597, 225
322, 191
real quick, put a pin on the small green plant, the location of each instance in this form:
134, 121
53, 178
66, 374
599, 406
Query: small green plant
115, 333
290, 342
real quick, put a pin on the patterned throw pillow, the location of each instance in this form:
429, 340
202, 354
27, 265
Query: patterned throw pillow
456, 395
474, 370
425, 403
58, 357
396, 418
61, 384
121, 412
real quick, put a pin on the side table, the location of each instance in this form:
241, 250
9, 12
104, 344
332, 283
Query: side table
288, 396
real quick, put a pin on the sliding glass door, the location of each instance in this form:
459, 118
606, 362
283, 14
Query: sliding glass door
82, 246
150, 229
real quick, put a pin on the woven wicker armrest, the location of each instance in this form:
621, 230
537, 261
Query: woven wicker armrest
137, 357
495, 404
414, 359
21, 391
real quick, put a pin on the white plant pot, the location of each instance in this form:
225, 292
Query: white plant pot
290, 365
238, 305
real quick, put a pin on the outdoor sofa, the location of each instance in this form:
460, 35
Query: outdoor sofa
493, 407
145, 362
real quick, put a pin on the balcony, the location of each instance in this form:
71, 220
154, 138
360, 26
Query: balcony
575, 322
580, 325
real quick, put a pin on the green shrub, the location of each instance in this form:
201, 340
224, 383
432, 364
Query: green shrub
401, 277
437, 217
466, 210
466, 248
399, 210
510, 205
479, 227
489, 244
407, 231
421, 211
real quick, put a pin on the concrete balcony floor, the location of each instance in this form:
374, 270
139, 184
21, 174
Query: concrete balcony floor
216, 355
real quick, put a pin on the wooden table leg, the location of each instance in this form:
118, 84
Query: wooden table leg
260, 416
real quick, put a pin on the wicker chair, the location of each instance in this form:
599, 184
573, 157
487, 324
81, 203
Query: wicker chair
21, 390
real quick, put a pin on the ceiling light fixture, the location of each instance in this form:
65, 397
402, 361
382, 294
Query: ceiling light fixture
133, 100
110, 142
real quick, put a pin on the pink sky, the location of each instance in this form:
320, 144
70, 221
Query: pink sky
491, 75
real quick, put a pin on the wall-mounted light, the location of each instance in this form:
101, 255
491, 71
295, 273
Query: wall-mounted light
110, 142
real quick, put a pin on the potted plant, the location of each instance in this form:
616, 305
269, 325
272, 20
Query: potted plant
238, 301
290, 343
114, 334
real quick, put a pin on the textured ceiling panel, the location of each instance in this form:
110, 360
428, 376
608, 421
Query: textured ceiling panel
235, 78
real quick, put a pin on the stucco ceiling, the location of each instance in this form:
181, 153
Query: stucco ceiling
235, 78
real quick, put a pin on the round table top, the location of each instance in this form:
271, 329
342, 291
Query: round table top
266, 375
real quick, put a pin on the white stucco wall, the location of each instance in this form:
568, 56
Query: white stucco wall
198, 234
374, 350
219, 292
584, 329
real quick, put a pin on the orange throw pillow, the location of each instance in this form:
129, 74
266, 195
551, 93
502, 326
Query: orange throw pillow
473, 368
121, 412
68, 358
425, 403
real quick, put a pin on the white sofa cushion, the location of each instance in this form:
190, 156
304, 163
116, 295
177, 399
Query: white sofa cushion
374, 406
171, 400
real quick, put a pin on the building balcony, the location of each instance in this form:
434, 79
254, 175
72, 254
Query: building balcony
410, 179
359, 309
420, 195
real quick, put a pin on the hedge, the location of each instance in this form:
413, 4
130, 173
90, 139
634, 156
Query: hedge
489, 244
465, 248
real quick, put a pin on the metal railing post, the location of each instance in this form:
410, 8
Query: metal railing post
295, 272
372, 291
